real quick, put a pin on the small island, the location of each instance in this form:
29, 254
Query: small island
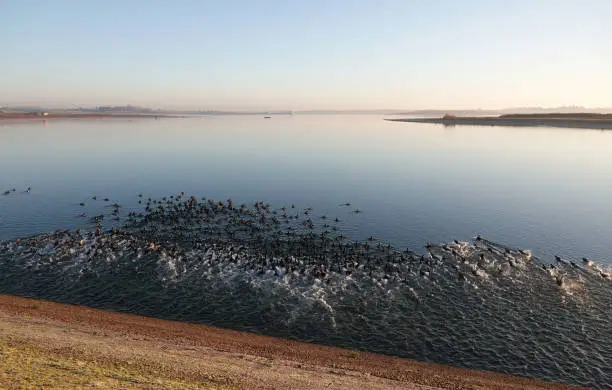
580, 120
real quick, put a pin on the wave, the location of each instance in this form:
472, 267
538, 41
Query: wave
475, 304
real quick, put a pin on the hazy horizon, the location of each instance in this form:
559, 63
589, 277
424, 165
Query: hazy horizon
271, 55
505, 110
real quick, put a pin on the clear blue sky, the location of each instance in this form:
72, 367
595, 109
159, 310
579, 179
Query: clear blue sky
230, 54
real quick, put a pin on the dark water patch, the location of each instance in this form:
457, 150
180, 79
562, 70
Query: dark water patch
476, 305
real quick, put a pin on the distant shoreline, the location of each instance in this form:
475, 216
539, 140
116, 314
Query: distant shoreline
25, 116
578, 121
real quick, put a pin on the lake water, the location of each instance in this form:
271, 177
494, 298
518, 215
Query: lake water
546, 189
283, 270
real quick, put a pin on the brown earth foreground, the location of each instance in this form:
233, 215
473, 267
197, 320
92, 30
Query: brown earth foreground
50, 345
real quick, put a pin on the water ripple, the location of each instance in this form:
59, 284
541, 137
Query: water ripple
477, 305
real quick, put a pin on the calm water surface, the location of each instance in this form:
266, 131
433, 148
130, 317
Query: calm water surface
546, 189
478, 305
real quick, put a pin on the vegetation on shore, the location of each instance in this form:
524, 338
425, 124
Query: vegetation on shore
22, 366
584, 115
571, 120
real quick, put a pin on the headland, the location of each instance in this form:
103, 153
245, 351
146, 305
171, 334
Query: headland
580, 121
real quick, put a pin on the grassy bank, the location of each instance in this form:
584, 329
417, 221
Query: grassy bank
22, 366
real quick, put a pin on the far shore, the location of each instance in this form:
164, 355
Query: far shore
50, 345
579, 121
25, 116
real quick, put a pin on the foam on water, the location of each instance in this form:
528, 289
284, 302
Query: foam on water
473, 304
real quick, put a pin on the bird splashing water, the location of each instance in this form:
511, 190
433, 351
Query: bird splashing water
475, 304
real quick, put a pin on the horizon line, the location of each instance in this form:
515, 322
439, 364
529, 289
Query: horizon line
264, 110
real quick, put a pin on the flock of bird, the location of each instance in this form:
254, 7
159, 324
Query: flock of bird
287, 243
291, 270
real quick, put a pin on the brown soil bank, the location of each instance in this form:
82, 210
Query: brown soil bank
579, 121
50, 345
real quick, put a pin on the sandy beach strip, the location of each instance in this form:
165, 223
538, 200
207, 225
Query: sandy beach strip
526, 121
66, 344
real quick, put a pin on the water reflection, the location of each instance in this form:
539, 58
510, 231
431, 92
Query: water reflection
540, 188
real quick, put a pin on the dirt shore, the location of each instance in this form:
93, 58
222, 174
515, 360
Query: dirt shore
50, 345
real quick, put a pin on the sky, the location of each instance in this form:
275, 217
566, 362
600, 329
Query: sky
306, 54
